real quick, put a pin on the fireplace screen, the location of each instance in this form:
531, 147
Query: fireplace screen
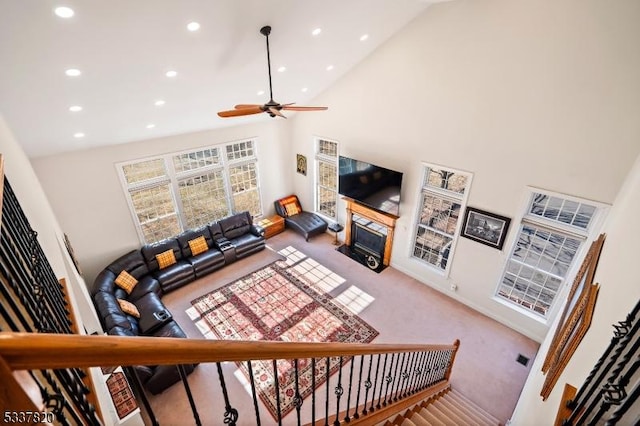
368, 240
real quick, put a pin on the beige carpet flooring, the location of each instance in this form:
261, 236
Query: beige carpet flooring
402, 309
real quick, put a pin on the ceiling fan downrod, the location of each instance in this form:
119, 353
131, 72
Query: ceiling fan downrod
265, 31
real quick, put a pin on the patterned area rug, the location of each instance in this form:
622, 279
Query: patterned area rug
275, 303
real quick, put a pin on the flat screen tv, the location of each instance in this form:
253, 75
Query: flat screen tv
373, 186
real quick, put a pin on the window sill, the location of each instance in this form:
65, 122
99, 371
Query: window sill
522, 311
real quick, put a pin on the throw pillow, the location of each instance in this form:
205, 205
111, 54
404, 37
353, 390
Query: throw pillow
198, 245
166, 258
129, 308
126, 282
292, 209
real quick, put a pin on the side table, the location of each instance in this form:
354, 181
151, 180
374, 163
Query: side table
272, 225
335, 227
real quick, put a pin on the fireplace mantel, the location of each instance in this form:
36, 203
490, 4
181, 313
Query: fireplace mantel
386, 220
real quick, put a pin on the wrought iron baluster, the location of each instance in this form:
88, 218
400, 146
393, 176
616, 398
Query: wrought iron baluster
339, 390
277, 383
395, 377
389, 379
130, 372
254, 395
406, 374
426, 370
622, 334
326, 405
375, 383
230, 413
624, 407
347, 417
187, 389
367, 385
614, 391
400, 377
416, 372
384, 367
356, 415
313, 391
297, 399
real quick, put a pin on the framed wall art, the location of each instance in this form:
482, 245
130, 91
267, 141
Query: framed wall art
484, 227
575, 319
301, 164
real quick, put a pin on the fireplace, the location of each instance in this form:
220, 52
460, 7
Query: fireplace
367, 239
369, 235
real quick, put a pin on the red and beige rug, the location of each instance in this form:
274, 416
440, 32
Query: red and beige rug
275, 303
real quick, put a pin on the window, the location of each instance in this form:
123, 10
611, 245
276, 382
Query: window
173, 192
551, 234
326, 178
442, 199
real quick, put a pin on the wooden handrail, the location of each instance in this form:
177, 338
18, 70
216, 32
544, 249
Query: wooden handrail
26, 351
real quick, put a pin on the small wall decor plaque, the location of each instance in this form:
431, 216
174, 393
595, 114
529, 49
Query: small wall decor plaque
301, 164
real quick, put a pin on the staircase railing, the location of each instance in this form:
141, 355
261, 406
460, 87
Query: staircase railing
373, 381
612, 387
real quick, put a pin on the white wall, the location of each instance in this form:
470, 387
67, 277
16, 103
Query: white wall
519, 93
619, 292
87, 196
540, 93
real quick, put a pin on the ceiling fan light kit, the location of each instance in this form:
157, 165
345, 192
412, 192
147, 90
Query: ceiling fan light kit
272, 108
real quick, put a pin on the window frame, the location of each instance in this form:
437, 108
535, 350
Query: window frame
587, 235
318, 158
443, 194
173, 179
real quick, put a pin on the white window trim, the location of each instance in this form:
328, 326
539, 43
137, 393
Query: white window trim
445, 194
321, 157
173, 178
590, 234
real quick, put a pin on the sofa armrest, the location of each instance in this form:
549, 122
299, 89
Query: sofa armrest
257, 230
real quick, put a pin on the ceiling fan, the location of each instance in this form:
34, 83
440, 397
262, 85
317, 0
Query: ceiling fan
272, 108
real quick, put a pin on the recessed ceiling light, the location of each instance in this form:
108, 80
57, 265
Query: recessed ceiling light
171, 74
330, 67
304, 89
282, 69
316, 31
159, 102
193, 26
363, 37
260, 92
63, 12
72, 72
150, 126
78, 135
75, 108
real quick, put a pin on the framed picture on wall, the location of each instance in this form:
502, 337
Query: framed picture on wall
484, 227
301, 164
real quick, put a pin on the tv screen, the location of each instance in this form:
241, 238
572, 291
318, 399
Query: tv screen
371, 185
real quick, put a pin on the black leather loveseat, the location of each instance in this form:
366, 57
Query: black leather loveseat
141, 277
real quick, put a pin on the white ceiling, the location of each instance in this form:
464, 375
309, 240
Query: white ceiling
125, 47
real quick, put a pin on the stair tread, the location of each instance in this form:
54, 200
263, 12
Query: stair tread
461, 417
479, 411
419, 420
430, 417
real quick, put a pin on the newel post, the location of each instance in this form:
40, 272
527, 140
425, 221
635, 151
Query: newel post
456, 346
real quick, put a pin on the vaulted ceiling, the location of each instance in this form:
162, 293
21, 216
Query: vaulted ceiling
124, 49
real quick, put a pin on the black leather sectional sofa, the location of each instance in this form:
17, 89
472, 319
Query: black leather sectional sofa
228, 239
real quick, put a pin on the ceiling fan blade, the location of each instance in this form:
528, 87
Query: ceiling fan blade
255, 109
304, 108
242, 106
277, 112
